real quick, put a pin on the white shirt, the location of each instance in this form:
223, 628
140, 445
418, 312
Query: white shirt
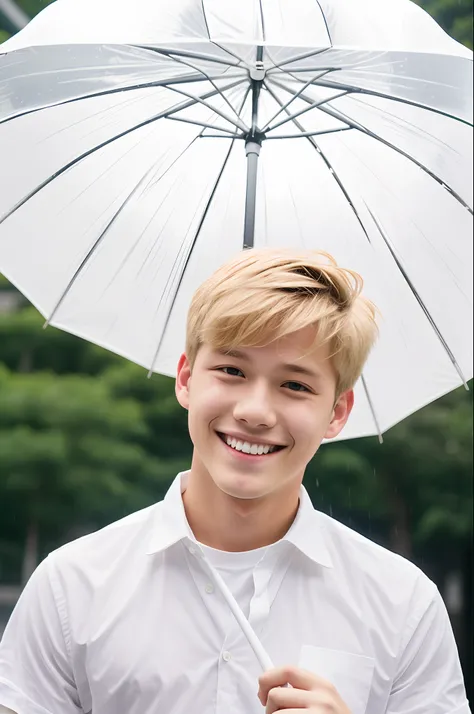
125, 620
238, 572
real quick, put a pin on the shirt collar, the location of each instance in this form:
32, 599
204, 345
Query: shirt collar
171, 525
307, 533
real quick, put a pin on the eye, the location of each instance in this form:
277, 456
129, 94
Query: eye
296, 387
232, 371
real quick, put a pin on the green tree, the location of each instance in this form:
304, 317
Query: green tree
166, 420
33, 7
417, 486
70, 453
25, 346
455, 16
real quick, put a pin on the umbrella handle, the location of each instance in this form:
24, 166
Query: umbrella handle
260, 652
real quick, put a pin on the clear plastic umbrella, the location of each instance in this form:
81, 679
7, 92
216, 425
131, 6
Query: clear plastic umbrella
142, 146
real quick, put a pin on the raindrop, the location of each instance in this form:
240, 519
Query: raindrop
317, 483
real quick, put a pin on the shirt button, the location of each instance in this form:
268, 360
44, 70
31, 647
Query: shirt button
227, 656
192, 550
209, 588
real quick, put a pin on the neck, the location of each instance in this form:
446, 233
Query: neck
235, 525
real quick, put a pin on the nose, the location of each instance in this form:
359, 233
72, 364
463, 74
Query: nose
254, 408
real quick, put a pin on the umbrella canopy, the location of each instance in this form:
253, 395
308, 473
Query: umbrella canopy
142, 147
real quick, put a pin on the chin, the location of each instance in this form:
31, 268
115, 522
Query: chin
241, 494
241, 488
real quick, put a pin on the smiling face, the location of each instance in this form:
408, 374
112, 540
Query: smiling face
258, 415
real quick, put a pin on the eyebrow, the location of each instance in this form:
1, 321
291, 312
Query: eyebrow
287, 367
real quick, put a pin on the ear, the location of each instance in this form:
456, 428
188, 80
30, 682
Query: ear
183, 376
342, 410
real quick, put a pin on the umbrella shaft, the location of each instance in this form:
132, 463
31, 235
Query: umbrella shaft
253, 151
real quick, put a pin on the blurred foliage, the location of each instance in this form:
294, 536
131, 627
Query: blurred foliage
33, 7
85, 437
418, 483
455, 16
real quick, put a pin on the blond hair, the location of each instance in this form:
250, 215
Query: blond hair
262, 295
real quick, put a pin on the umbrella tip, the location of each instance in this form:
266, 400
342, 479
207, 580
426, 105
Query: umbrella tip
380, 439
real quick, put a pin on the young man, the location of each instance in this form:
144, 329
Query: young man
128, 620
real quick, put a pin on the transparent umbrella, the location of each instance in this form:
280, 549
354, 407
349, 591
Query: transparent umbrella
142, 147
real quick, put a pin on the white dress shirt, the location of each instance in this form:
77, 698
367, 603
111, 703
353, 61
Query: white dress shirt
238, 572
126, 621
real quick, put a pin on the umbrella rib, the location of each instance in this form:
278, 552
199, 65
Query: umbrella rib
367, 62
104, 93
298, 58
336, 114
418, 297
211, 81
262, 21
325, 22
95, 148
305, 70
309, 133
216, 44
238, 124
371, 92
192, 55
219, 136
188, 257
340, 116
241, 60
314, 105
392, 115
372, 409
103, 234
201, 123
292, 99
329, 166
204, 14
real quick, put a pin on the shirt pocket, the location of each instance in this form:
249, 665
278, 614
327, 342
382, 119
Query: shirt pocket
351, 674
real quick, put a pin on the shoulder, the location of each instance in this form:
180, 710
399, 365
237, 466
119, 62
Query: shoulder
98, 555
377, 571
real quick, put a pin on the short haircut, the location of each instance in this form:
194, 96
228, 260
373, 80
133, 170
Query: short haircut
262, 295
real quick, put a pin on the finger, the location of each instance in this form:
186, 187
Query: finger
281, 699
298, 678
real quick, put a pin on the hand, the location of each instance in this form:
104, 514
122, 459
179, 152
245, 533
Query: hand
308, 693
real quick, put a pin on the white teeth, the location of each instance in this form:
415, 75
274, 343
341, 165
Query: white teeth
248, 448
